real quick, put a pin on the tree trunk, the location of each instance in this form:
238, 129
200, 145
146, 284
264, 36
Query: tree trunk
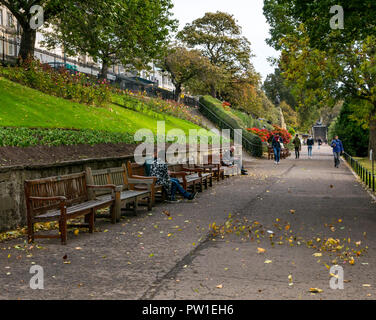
104, 70
178, 92
213, 91
372, 133
27, 44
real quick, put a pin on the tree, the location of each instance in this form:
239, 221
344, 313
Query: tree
21, 10
219, 38
289, 114
353, 133
276, 90
132, 32
184, 65
346, 69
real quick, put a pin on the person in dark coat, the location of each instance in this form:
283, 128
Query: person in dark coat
298, 146
276, 145
310, 144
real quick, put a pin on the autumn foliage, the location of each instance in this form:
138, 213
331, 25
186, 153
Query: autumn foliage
266, 135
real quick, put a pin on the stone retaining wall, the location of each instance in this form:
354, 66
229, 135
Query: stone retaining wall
12, 199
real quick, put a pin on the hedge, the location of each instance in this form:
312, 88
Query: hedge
212, 109
27, 137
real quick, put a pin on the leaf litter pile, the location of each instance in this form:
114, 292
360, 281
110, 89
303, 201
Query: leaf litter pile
335, 250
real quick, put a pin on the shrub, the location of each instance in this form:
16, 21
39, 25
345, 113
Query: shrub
156, 107
355, 137
26, 137
212, 109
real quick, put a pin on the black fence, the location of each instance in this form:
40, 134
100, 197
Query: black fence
9, 50
365, 175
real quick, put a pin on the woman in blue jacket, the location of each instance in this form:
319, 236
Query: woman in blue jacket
337, 151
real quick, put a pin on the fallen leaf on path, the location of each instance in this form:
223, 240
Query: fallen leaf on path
261, 250
317, 255
315, 290
220, 286
268, 261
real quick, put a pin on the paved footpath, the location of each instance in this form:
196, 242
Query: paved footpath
309, 206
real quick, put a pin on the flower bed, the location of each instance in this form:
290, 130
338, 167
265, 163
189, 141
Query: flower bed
266, 135
60, 83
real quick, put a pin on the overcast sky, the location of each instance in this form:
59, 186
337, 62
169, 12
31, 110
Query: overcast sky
250, 17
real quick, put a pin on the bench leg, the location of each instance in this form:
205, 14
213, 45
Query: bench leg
150, 203
135, 206
63, 230
153, 197
91, 221
30, 231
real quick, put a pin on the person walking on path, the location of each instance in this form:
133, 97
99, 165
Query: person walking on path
276, 145
298, 146
337, 151
319, 142
310, 143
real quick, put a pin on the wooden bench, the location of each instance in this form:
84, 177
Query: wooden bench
215, 169
61, 199
285, 153
188, 178
126, 198
137, 172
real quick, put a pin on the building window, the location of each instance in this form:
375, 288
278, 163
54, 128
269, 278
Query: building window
10, 20
1, 17
11, 47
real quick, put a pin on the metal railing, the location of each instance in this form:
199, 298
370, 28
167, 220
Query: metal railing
364, 174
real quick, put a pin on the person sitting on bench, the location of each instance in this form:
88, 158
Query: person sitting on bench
159, 169
229, 160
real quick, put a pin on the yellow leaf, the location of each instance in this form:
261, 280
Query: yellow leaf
315, 290
261, 250
268, 261
76, 232
317, 255
220, 286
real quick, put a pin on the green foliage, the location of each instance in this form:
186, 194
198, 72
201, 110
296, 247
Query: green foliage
353, 135
26, 137
292, 131
185, 67
158, 108
277, 90
133, 32
220, 39
213, 110
326, 66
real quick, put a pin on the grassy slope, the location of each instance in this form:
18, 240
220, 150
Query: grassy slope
21, 106
366, 163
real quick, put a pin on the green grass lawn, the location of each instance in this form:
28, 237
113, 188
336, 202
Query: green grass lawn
21, 106
366, 163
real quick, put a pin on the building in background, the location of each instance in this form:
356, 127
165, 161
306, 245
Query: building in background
10, 36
